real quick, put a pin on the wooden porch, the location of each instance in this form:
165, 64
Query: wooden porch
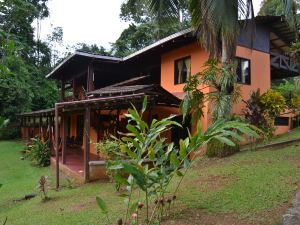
80, 163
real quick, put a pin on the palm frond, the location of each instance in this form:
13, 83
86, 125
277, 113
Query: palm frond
218, 22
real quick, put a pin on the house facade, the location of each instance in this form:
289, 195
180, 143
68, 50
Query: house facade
97, 90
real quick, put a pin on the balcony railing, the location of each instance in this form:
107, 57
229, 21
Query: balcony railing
283, 62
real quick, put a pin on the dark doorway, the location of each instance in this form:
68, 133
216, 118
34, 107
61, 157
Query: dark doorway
79, 128
178, 132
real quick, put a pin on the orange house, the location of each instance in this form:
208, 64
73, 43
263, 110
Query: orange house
97, 90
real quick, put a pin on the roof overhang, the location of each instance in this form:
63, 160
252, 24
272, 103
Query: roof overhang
282, 35
79, 61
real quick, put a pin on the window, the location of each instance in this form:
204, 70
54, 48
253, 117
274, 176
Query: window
243, 71
182, 70
281, 121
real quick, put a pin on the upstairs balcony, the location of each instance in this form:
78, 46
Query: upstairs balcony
282, 66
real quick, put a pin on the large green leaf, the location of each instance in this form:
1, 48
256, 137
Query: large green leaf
145, 103
225, 140
137, 174
120, 179
174, 160
137, 133
102, 205
182, 149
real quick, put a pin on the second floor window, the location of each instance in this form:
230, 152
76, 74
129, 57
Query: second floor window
243, 71
182, 70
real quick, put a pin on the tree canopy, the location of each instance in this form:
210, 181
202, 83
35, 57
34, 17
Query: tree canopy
24, 59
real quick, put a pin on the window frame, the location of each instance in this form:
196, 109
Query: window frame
175, 69
250, 71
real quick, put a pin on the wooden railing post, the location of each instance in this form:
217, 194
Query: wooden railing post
64, 137
57, 145
87, 126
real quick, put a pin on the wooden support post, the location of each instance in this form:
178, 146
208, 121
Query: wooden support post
90, 78
50, 130
87, 126
64, 137
57, 146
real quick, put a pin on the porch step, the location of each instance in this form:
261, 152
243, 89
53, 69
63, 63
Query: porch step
65, 171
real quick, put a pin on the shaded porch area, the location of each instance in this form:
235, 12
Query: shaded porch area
73, 167
103, 111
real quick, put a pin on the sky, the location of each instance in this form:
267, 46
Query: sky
89, 21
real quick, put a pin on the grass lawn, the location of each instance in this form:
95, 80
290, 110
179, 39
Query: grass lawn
252, 187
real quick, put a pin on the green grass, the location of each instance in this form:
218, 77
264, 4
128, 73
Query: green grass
250, 185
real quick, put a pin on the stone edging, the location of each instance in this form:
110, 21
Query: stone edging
278, 144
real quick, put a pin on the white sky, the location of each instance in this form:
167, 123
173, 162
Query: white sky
89, 21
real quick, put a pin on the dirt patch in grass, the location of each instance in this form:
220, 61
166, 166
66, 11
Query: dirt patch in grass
202, 217
79, 207
215, 182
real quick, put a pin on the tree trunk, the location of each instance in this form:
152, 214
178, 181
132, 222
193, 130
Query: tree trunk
224, 58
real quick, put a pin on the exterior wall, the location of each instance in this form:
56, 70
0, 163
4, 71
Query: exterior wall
284, 129
198, 58
260, 73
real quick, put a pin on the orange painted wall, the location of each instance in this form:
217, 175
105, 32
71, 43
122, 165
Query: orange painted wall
198, 57
284, 129
260, 73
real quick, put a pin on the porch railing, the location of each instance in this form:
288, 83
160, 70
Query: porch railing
283, 62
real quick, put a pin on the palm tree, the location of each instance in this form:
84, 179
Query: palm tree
217, 22
291, 13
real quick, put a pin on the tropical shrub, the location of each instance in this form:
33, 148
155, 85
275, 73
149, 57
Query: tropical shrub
273, 103
287, 87
218, 149
39, 152
295, 103
108, 149
225, 91
153, 163
261, 110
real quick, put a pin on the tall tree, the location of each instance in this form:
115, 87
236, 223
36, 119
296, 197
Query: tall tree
145, 27
288, 8
23, 86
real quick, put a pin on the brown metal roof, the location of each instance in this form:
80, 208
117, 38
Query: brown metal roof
112, 90
44, 112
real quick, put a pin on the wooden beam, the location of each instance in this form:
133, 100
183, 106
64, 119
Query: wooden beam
56, 146
90, 78
87, 126
64, 137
